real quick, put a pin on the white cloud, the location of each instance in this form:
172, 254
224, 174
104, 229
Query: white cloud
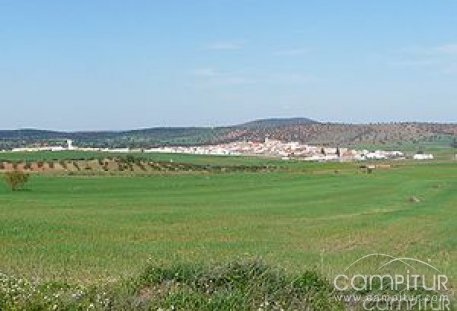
215, 77
292, 52
416, 62
450, 69
443, 50
441, 58
236, 80
291, 78
225, 46
204, 72
450, 49
212, 77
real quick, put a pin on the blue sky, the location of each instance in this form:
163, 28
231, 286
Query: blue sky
93, 64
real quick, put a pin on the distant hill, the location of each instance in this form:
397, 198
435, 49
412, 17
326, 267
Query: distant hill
29, 133
276, 122
334, 134
291, 129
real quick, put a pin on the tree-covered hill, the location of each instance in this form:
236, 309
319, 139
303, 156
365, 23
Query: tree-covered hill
292, 129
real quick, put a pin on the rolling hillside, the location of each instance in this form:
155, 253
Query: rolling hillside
293, 129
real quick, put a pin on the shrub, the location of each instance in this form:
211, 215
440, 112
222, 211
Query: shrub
141, 166
239, 285
75, 164
16, 179
27, 165
63, 164
128, 159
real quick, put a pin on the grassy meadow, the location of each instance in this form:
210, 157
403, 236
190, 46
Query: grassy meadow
90, 227
216, 239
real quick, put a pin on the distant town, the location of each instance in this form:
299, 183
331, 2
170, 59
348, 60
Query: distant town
268, 148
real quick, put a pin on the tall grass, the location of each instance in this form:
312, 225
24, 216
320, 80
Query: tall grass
238, 285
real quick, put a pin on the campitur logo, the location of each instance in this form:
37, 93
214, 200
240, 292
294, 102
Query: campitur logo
384, 282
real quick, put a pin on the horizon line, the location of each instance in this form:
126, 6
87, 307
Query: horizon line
311, 121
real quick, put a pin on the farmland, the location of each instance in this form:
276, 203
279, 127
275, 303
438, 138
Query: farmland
87, 227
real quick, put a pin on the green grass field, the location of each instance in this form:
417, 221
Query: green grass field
87, 228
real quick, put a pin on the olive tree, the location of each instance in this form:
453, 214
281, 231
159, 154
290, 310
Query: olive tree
16, 179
